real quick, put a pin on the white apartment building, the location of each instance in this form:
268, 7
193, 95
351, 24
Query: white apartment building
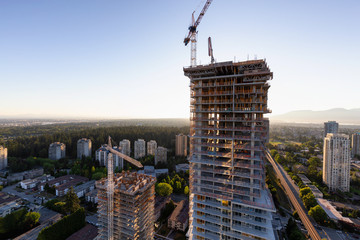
83, 148
57, 151
3, 157
161, 155
125, 147
101, 156
181, 145
336, 162
139, 148
355, 144
151, 147
330, 127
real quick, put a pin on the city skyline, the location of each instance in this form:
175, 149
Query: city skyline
59, 56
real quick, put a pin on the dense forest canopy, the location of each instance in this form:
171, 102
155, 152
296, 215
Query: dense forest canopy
36, 143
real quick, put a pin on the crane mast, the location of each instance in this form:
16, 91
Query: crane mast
110, 185
192, 35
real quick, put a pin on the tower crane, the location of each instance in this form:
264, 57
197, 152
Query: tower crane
110, 184
193, 32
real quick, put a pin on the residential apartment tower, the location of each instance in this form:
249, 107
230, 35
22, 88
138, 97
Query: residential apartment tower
228, 195
336, 162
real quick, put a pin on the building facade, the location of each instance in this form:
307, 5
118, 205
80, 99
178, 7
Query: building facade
125, 147
228, 195
139, 148
161, 155
3, 157
336, 162
56, 151
101, 156
181, 145
330, 127
355, 144
133, 215
84, 148
151, 147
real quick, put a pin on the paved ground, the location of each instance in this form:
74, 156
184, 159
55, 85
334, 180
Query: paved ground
45, 214
333, 234
178, 198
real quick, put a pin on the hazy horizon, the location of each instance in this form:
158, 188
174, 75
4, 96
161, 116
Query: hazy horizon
124, 59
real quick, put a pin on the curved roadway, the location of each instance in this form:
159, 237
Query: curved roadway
291, 192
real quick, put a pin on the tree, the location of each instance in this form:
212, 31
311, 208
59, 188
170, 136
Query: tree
178, 186
318, 214
314, 161
163, 189
304, 191
97, 175
309, 201
186, 190
31, 219
273, 152
72, 202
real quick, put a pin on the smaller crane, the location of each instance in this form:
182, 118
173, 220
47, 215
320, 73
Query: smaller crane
192, 32
211, 54
110, 184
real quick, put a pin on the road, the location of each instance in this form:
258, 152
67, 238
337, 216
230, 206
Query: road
294, 198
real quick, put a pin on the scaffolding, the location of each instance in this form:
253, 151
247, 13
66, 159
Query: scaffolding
228, 196
133, 207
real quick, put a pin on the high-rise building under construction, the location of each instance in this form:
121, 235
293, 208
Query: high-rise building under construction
229, 198
132, 210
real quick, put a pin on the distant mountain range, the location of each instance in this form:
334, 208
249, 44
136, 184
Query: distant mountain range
341, 115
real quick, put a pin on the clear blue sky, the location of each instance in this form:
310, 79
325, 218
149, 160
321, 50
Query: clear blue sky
124, 59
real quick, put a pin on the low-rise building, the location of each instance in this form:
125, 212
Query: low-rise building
151, 171
25, 175
183, 167
179, 218
3, 181
8, 203
91, 196
84, 188
32, 183
89, 232
332, 213
160, 203
64, 183
161, 155
317, 193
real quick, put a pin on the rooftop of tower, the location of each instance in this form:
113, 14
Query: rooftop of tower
250, 67
128, 182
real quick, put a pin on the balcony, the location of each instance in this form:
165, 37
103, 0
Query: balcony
230, 119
